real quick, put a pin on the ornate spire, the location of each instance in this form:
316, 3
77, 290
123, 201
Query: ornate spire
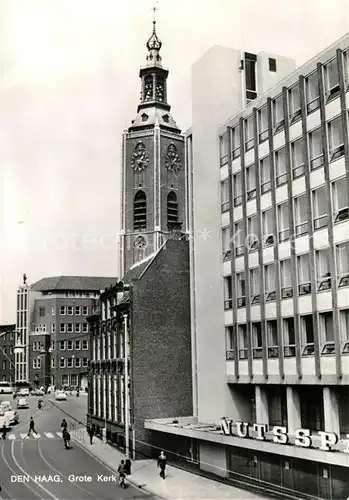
154, 45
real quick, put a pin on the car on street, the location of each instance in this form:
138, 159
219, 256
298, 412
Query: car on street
60, 396
22, 404
23, 392
5, 387
13, 417
37, 392
4, 421
5, 405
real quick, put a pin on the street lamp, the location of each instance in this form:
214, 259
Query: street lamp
127, 399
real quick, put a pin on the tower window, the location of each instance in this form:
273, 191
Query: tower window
272, 64
148, 88
140, 211
165, 118
139, 249
250, 76
172, 208
144, 117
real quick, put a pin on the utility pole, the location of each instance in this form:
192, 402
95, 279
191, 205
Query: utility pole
127, 399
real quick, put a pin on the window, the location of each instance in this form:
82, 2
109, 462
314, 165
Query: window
289, 336
253, 233
241, 289
236, 150
340, 200
224, 144
298, 168
62, 327
316, 153
225, 195
70, 327
255, 285
84, 362
270, 282
237, 182
323, 273
331, 80
85, 345
342, 258
336, 139
77, 310
301, 215
70, 362
263, 124
283, 221
320, 206
265, 175
272, 338
326, 330
140, 211
303, 268
239, 238
312, 92
53, 328
286, 279
344, 324
77, 345
268, 227
294, 103
77, 362
53, 345
37, 363
74, 379
62, 310
250, 76
226, 243
62, 345
257, 340
70, 345
70, 310
251, 182
78, 327
229, 336
53, 363
227, 293
242, 341
307, 330
41, 311
85, 310
85, 328
62, 365
53, 311
280, 164
272, 64
172, 208
249, 133
278, 114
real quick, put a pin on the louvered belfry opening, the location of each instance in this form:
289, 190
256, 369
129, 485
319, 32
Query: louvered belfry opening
172, 208
140, 211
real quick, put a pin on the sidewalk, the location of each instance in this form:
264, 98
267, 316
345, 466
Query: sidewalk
179, 484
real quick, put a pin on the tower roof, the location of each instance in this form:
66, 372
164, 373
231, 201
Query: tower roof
154, 45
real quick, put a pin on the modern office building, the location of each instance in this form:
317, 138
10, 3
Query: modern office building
7, 356
52, 345
272, 328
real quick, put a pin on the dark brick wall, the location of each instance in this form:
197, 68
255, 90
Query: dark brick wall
7, 357
161, 342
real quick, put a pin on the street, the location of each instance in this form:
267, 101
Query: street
39, 467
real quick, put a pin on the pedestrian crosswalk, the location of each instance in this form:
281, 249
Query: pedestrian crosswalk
24, 435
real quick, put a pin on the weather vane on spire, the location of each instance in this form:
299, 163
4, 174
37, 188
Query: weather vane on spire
154, 42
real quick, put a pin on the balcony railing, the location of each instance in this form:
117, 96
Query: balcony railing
308, 350
230, 354
324, 283
341, 215
343, 280
328, 349
289, 351
317, 162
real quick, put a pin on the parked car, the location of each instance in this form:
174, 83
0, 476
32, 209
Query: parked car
23, 392
4, 421
22, 404
5, 405
13, 417
60, 396
37, 392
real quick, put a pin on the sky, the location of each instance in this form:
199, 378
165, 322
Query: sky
69, 86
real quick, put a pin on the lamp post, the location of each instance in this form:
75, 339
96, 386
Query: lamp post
127, 399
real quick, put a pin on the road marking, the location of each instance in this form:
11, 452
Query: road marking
23, 436
12, 436
37, 436
49, 435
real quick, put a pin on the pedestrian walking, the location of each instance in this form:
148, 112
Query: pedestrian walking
64, 425
31, 426
128, 466
91, 433
162, 461
66, 439
122, 474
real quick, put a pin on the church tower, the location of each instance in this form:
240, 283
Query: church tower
154, 185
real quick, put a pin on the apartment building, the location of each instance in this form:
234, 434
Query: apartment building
280, 418
53, 338
7, 356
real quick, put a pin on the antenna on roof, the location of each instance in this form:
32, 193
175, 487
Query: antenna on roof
24, 279
242, 65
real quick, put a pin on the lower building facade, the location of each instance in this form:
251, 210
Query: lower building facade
153, 304
7, 356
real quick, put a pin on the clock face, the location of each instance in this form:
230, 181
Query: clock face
172, 160
140, 158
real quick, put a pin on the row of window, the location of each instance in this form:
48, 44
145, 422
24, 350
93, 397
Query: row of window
63, 363
102, 400
324, 328
287, 277
319, 201
6, 350
140, 210
312, 95
63, 345
66, 310
72, 377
